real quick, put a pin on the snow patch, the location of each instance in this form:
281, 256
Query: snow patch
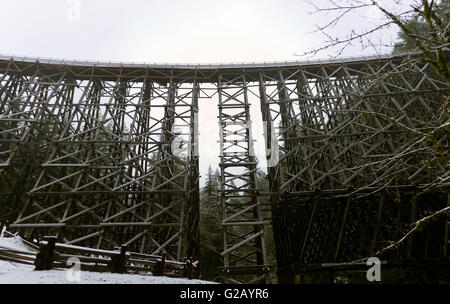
14, 273
13, 243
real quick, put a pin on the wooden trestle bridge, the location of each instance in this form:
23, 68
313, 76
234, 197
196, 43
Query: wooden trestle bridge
105, 154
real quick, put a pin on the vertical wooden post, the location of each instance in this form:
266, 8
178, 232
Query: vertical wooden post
341, 230
377, 224
447, 226
413, 215
46, 255
118, 262
161, 265
188, 268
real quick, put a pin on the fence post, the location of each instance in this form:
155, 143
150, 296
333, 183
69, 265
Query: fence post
161, 265
188, 268
118, 262
46, 255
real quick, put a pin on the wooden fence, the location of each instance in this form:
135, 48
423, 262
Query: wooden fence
52, 255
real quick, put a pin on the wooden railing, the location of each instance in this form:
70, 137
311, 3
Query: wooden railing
53, 255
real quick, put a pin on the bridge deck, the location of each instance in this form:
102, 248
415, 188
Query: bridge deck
104, 70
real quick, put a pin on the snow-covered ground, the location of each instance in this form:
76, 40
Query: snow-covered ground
14, 273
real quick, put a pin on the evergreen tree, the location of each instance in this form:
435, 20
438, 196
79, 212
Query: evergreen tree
209, 191
210, 230
418, 25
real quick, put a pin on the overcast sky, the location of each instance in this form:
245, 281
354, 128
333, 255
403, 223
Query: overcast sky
196, 31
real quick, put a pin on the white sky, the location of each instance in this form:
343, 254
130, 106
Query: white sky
182, 31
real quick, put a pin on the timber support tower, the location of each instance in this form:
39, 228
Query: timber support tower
105, 154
